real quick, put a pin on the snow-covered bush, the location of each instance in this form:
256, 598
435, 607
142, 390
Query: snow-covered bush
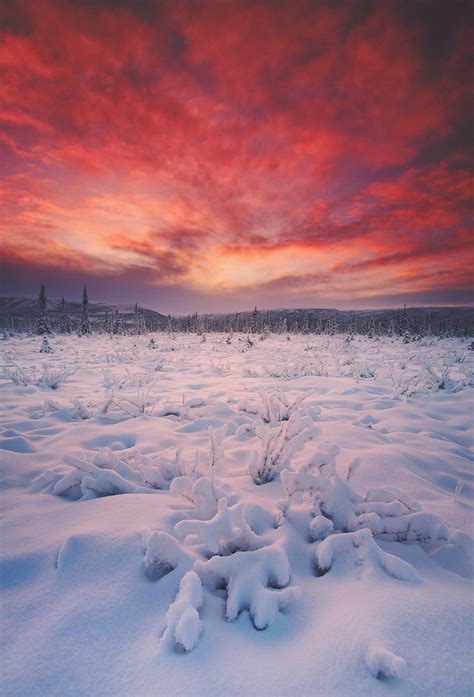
226, 532
162, 554
108, 474
204, 490
278, 446
383, 663
219, 368
19, 376
183, 624
256, 581
52, 378
135, 393
387, 513
122, 356
77, 411
290, 370
277, 406
202, 493
357, 554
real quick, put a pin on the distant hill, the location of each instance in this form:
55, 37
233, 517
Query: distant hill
346, 317
24, 309
19, 314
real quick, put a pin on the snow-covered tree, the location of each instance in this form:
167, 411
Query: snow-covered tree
43, 325
65, 325
85, 326
305, 327
254, 322
139, 326
45, 346
116, 324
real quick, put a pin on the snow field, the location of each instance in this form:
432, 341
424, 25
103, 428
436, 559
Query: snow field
306, 527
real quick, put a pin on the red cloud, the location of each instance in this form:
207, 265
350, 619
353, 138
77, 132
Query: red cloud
163, 134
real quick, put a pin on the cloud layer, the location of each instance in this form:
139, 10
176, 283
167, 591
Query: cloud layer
216, 154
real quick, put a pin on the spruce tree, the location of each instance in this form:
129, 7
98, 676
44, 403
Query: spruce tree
85, 326
305, 327
116, 324
43, 325
65, 325
45, 346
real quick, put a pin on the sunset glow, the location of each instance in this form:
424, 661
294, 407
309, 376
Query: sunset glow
214, 155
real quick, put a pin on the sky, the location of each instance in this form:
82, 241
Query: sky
213, 155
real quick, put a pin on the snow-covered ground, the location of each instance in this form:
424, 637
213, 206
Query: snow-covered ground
295, 517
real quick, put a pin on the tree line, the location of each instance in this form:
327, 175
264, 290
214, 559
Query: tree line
262, 323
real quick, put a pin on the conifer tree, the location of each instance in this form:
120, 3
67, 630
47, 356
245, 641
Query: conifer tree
85, 325
254, 321
45, 346
116, 324
43, 325
65, 325
305, 327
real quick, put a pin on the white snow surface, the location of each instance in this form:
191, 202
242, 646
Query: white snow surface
291, 518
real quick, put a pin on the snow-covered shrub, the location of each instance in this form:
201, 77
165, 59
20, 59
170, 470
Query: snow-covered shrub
19, 376
249, 371
171, 409
77, 411
52, 378
427, 379
183, 624
219, 368
80, 411
278, 446
277, 407
363, 371
108, 474
256, 581
388, 514
383, 663
320, 527
111, 381
135, 398
357, 554
297, 369
458, 490
185, 410
92, 479
329, 495
162, 554
135, 405
122, 356
226, 532
204, 491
